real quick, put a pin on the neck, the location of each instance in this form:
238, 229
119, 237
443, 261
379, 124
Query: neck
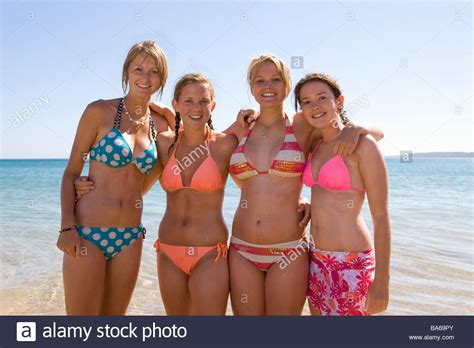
137, 106
330, 133
270, 115
194, 137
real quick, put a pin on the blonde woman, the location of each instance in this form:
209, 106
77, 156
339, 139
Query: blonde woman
101, 236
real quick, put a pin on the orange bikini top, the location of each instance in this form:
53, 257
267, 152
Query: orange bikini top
206, 178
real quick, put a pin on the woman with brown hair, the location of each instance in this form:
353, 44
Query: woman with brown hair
348, 276
192, 247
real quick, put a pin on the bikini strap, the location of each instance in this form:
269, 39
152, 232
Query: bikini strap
152, 127
222, 250
118, 115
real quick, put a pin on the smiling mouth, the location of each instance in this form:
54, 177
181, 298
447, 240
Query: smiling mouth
195, 117
268, 94
143, 86
319, 115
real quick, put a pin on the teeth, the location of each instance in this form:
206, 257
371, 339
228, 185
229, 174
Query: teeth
143, 86
319, 115
195, 117
269, 94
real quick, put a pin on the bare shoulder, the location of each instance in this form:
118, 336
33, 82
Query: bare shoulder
100, 111
298, 119
166, 137
225, 141
367, 147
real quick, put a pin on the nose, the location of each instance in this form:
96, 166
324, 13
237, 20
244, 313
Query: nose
267, 83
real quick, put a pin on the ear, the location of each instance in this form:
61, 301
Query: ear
340, 102
174, 102
213, 105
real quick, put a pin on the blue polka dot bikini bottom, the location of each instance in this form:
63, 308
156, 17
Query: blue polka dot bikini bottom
111, 240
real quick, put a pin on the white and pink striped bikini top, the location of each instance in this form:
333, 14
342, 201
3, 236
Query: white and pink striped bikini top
289, 162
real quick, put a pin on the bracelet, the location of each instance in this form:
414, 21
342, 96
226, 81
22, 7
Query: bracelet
73, 227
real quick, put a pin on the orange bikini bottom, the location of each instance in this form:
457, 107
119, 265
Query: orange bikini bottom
186, 257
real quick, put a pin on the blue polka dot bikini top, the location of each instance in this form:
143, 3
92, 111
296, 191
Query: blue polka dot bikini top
114, 151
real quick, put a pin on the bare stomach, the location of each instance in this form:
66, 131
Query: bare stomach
193, 218
267, 211
116, 200
336, 221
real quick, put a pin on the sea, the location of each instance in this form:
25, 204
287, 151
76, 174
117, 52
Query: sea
431, 210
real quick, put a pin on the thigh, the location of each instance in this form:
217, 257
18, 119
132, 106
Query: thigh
84, 279
313, 310
173, 286
121, 278
247, 286
286, 287
209, 285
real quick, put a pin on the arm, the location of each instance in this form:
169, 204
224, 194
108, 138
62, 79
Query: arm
236, 130
152, 177
375, 132
348, 139
374, 172
86, 133
164, 112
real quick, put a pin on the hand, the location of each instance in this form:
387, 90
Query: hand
69, 242
304, 206
347, 141
83, 186
245, 117
377, 298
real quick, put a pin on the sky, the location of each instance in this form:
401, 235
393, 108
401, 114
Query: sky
405, 67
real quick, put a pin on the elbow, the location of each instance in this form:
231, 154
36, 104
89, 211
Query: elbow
381, 222
379, 135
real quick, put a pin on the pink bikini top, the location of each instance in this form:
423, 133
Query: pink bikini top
333, 174
206, 178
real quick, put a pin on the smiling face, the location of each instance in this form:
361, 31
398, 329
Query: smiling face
195, 104
143, 76
267, 85
319, 105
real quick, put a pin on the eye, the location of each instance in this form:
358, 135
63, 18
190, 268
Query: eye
205, 102
138, 68
155, 72
322, 98
188, 101
306, 102
276, 79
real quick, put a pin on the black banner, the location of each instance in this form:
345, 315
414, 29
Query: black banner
132, 331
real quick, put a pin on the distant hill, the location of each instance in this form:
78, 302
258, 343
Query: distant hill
444, 154
440, 155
